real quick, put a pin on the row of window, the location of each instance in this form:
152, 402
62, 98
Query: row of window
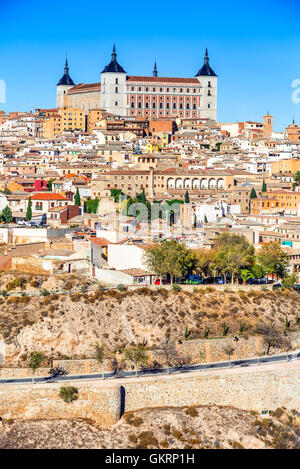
161, 106
161, 98
165, 90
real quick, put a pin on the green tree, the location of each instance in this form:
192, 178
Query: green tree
154, 258
77, 200
170, 257
289, 280
246, 275
35, 360
264, 186
258, 271
273, 259
206, 262
234, 253
91, 206
297, 178
252, 196
205, 219
187, 198
6, 215
137, 356
29, 210
142, 197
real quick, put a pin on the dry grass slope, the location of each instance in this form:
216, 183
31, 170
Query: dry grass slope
212, 427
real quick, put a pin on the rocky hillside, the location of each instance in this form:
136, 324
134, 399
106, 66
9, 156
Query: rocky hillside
72, 323
209, 427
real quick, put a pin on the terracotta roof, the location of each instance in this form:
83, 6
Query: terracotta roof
163, 80
48, 196
99, 241
83, 87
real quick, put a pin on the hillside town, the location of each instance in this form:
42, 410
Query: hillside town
71, 178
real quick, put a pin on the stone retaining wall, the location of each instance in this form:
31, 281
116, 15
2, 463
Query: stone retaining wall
268, 387
245, 389
98, 402
196, 351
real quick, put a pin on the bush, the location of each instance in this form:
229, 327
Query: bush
44, 292
122, 288
176, 287
68, 393
191, 411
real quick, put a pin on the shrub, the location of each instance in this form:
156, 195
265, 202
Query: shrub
122, 288
191, 411
44, 292
68, 393
36, 358
177, 288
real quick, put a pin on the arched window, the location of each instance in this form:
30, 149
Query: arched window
153, 105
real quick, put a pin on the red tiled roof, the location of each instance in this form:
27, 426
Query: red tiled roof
85, 87
163, 80
48, 196
100, 241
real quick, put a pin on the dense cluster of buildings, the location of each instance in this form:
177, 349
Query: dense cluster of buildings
76, 166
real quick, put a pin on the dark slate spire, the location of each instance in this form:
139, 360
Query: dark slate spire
206, 70
113, 66
66, 79
155, 70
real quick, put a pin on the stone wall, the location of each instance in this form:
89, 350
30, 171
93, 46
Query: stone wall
98, 402
196, 351
267, 388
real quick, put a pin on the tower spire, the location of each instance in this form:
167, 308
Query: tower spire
155, 70
114, 54
66, 69
66, 79
206, 58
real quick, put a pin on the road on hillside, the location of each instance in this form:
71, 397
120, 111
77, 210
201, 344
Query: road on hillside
159, 371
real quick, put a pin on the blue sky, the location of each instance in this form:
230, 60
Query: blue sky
254, 47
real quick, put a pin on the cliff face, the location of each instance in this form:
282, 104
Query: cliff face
71, 325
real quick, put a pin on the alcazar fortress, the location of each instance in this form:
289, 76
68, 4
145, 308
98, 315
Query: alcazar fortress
146, 97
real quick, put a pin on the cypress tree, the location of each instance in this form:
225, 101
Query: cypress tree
205, 219
186, 198
253, 194
264, 187
29, 210
77, 198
